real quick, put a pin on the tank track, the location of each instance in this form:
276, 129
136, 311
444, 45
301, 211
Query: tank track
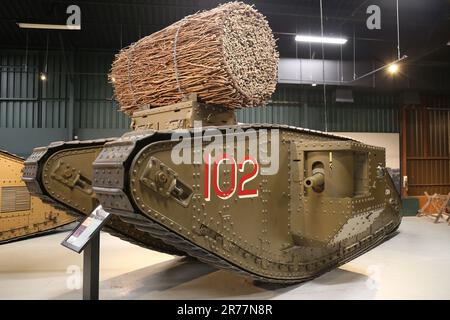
116, 228
117, 200
157, 230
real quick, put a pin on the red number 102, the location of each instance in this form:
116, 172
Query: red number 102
212, 177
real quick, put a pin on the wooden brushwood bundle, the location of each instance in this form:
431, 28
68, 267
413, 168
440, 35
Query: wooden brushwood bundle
227, 56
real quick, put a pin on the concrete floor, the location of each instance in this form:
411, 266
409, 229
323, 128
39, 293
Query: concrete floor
414, 264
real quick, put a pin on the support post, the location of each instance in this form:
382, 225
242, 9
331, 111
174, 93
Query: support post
404, 154
91, 268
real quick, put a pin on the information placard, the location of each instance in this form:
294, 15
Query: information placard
86, 230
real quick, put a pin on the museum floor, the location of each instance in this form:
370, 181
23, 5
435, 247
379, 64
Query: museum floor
414, 264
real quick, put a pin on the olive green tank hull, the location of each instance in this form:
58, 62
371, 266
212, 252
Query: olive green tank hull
329, 200
61, 175
290, 230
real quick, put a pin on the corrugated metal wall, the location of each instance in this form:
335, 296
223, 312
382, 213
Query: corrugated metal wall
370, 112
26, 102
94, 104
74, 101
428, 149
299, 106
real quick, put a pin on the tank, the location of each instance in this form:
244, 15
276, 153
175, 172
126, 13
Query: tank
270, 202
23, 215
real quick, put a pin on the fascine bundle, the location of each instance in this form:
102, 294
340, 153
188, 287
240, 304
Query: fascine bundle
227, 56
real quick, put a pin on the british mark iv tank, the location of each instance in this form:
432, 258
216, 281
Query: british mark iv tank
270, 202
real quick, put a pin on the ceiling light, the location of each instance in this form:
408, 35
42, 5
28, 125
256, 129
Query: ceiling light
43, 76
393, 68
303, 38
25, 25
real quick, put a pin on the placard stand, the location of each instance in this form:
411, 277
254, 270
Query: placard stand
91, 268
86, 238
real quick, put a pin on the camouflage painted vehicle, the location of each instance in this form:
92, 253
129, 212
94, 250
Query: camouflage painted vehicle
280, 204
